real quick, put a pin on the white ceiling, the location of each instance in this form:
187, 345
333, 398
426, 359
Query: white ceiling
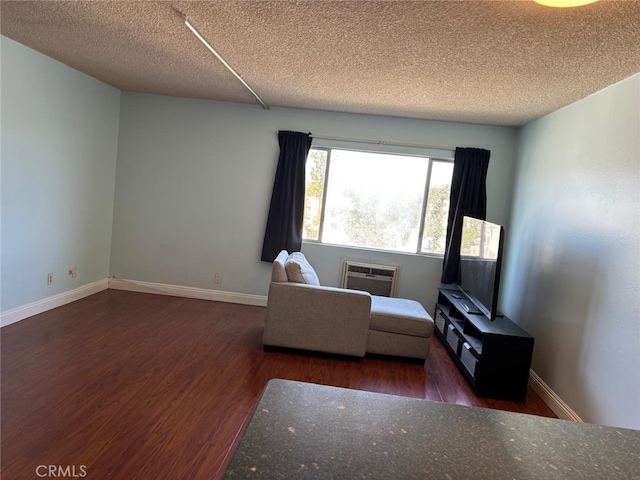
478, 61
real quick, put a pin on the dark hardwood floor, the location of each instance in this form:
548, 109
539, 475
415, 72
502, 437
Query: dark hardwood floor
139, 386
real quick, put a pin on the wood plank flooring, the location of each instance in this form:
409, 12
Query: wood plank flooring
139, 386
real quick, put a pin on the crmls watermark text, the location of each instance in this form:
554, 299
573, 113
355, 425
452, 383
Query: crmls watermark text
60, 471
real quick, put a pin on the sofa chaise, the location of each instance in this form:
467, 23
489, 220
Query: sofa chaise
302, 314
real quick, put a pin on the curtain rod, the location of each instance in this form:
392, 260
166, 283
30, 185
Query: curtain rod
382, 142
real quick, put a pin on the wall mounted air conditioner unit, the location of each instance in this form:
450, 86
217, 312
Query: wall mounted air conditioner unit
376, 279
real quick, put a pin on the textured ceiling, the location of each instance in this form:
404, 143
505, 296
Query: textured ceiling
478, 61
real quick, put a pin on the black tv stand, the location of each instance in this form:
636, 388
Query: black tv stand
494, 356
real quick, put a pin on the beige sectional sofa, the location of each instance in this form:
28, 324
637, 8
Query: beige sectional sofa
309, 316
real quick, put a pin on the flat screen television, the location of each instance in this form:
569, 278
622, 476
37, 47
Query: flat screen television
480, 262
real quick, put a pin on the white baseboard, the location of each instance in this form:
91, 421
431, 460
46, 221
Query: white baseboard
25, 311
20, 313
551, 398
187, 292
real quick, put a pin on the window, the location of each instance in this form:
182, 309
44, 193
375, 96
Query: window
377, 200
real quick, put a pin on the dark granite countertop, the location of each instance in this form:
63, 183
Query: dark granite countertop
302, 430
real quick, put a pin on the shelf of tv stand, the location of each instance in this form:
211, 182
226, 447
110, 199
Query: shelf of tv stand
494, 356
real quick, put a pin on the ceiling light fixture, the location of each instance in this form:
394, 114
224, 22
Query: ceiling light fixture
564, 3
219, 57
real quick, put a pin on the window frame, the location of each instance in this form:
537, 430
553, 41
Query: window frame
423, 209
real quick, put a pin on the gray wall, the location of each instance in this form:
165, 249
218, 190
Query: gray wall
572, 274
194, 181
59, 147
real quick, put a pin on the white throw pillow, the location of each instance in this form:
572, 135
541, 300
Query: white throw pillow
299, 270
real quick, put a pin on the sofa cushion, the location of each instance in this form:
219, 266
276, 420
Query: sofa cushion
278, 273
299, 270
400, 315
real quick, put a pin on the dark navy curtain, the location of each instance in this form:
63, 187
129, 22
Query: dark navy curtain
468, 197
286, 212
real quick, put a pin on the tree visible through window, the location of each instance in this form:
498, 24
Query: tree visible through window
314, 193
375, 200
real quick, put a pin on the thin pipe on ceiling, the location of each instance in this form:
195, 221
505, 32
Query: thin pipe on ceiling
224, 62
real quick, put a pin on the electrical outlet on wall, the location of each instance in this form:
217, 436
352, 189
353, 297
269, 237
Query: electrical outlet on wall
50, 279
73, 272
217, 278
